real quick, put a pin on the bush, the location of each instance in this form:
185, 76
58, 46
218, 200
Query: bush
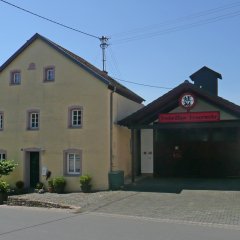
19, 185
85, 181
6, 167
50, 185
4, 187
39, 186
59, 184
50, 182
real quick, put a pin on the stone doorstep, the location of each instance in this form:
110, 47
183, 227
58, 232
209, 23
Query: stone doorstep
36, 203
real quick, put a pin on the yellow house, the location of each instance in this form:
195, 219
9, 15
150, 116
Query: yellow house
58, 114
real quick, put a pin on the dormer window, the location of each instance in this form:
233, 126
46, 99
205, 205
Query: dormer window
15, 78
49, 74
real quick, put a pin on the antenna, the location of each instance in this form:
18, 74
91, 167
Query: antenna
104, 44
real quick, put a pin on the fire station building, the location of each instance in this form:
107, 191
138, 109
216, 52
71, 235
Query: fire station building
188, 132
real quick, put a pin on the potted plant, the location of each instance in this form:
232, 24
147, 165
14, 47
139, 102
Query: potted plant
50, 186
39, 187
59, 184
19, 187
4, 188
85, 181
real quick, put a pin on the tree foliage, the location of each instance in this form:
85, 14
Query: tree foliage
6, 167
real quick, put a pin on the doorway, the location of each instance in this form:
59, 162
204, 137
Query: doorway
33, 169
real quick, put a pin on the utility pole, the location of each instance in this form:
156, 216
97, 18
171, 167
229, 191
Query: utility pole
104, 44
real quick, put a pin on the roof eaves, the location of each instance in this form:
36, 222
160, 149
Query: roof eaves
82, 63
166, 98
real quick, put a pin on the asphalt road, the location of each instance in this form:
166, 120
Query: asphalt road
20, 223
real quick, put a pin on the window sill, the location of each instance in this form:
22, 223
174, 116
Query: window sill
75, 127
72, 174
32, 129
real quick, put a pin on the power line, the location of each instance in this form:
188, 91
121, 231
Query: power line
115, 62
178, 28
178, 20
50, 20
141, 84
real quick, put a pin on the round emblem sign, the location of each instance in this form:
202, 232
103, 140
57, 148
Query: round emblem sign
187, 100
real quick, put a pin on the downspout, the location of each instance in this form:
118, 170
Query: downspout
111, 128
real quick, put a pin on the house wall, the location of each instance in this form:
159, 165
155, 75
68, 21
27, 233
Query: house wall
73, 86
122, 107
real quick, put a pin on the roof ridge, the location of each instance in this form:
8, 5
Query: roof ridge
103, 76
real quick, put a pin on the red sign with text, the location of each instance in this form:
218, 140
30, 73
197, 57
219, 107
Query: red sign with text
189, 117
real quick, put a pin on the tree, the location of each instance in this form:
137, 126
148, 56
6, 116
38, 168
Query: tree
6, 167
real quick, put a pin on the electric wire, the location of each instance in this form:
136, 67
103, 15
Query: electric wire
50, 20
178, 20
177, 28
141, 84
114, 60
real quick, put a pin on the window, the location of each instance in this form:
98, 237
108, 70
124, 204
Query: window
33, 120
73, 162
75, 117
2, 155
1, 120
15, 77
49, 74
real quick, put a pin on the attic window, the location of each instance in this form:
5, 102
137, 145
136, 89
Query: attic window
15, 77
49, 74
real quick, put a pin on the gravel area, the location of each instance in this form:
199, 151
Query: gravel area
83, 201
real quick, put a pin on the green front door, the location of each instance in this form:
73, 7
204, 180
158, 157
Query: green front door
34, 169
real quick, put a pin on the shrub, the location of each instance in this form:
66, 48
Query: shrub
50, 185
85, 181
59, 184
6, 167
50, 182
39, 185
19, 185
4, 187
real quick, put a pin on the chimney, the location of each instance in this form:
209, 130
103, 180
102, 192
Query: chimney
206, 79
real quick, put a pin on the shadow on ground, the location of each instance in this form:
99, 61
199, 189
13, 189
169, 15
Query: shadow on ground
176, 185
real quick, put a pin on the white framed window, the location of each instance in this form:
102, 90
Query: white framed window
2, 155
75, 117
1, 120
15, 78
72, 162
49, 74
33, 119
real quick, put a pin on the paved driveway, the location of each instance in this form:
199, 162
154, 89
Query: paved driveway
200, 201
215, 201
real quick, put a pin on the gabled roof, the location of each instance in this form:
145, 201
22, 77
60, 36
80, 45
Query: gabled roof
169, 101
101, 75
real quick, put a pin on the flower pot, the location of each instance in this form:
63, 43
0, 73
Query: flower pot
3, 197
86, 188
50, 189
59, 189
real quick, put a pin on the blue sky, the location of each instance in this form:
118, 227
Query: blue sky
154, 42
